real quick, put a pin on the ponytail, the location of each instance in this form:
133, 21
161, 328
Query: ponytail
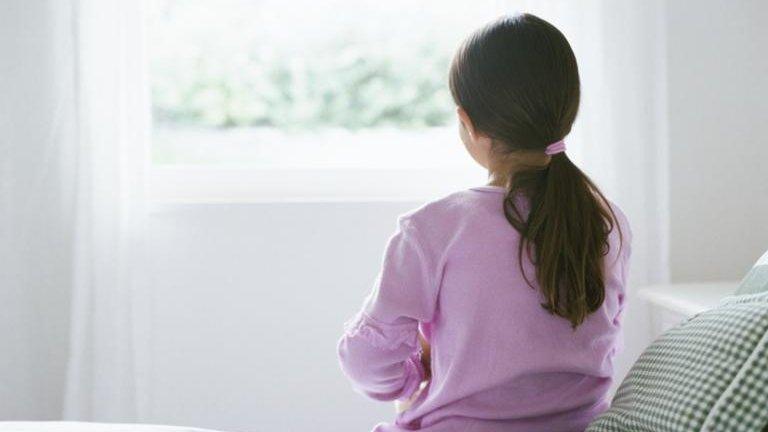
518, 82
564, 234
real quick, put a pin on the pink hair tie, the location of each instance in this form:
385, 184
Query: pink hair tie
555, 148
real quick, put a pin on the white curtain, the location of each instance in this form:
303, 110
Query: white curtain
36, 129
107, 369
74, 133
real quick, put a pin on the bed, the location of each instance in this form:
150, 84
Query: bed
61, 426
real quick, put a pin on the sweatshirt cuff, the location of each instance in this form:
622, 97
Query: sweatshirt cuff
381, 335
414, 375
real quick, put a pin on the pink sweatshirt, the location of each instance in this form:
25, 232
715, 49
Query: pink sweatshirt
500, 362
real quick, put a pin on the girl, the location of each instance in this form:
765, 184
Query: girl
516, 288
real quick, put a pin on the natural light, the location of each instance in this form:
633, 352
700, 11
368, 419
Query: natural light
263, 215
363, 90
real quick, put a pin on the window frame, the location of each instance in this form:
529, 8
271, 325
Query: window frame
210, 184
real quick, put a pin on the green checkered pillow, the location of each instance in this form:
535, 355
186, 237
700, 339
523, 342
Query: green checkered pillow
757, 279
707, 374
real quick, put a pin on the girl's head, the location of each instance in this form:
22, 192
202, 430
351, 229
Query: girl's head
516, 84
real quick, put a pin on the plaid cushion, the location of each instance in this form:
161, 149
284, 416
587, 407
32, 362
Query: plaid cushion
757, 279
708, 374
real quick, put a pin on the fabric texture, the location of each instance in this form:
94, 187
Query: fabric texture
757, 279
109, 348
74, 148
67, 426
708, 374
499, 360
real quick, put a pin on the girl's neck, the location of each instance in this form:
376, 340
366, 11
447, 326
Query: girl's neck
501, 168
498, 179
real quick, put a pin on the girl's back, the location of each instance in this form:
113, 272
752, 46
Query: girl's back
502, 302
499, 361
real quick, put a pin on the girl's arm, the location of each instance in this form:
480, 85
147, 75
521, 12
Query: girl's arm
380, 350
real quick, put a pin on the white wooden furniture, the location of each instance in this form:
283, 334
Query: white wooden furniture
670, 304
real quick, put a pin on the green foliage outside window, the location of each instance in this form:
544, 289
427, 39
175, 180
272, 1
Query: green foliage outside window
347, 86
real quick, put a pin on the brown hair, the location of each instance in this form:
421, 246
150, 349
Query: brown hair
518, 82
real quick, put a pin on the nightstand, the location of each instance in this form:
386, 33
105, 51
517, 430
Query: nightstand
671, 304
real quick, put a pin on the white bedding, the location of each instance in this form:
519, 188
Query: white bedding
55, 426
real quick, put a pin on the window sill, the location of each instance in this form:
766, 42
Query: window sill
195, 184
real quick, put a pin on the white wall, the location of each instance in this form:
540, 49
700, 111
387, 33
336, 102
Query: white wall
718, 127
34, 258
249, 303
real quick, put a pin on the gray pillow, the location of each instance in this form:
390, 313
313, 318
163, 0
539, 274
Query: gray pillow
757, 279
708, 374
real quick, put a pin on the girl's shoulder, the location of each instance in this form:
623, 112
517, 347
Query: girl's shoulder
620, 220
448, 215
439, 221
456, 204
620, 237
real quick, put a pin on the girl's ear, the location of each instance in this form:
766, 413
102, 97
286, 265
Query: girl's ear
466, 122
478, 138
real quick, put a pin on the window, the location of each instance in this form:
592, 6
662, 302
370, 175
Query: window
296, 99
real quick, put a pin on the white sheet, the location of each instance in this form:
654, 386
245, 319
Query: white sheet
55, 426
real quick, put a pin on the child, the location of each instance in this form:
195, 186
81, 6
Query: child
515, 287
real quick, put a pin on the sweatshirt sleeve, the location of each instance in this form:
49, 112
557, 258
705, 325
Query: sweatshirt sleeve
622, 261
379, 351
